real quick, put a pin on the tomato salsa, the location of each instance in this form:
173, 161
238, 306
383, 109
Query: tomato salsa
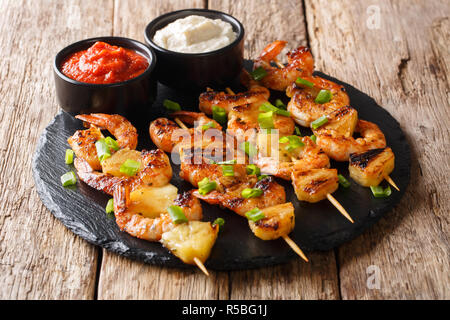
103, 63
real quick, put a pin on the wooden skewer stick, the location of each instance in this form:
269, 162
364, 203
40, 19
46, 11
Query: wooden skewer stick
229, 91
201, 265
295, 247
279, 64
339, 207
391, 182
180, 123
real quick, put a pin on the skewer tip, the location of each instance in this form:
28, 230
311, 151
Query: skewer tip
201, 266
295, 247
391, 182
339, 207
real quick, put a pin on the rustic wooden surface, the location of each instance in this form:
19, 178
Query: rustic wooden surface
396, 51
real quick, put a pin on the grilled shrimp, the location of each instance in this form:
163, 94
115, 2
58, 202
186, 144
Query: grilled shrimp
125, 133
339, 147
83, 145
150, 229
300, 64
305, 110
155, 171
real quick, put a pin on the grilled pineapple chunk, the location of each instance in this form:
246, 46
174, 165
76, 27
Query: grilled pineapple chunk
313, 185
279, 221
190, 240
152, 201
371, 167
343, 121
113, 163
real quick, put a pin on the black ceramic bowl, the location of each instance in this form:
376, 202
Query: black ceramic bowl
129, 98
196, 71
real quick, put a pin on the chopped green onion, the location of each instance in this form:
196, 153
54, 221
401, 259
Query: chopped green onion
319, 122
297, 131
279, 104
253, 169
379, 192
228, 170
209, 125
294, 142
248, 148
263, 176
313, 138
69, 179
220, 115
265, 120
69, 156
110, 206
103, 151
323, 96
112, 144
171, 105
258, 73
251, 193
255, 215
343, 182
205, 186
304, 83
177, 214
220, 222
130, 167
267, 106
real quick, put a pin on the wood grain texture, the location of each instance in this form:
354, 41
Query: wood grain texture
403, 64
39, 257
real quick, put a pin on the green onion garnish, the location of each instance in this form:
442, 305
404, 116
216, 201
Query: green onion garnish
228, 170
343, 182
255, 215
171, 105
220, 115
319, 122
313, 138
379, 192
220, 222
103, 151
177, 214
267, 106
112, 144
205, 186
323, 96
265, 120
258, 73
251, 193
110, 206
253, 169
209, 125
304, 83
248, 148
130, 167
263, 176
69, 156
294, 142
297, 131
69, 179
279, 104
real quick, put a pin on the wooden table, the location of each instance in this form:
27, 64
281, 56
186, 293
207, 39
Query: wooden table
396, 51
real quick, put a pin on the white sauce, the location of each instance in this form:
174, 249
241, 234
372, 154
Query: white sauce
195, 34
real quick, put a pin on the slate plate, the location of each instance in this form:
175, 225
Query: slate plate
319, 226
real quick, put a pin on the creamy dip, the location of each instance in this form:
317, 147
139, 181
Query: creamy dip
195, 34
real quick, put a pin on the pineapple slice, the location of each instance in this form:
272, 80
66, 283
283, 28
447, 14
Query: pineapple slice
279, 221
113, 163
371, 167
151, 201
343, 121
313, 185
191, 239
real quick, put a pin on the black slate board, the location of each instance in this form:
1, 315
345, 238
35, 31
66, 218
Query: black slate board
319, 226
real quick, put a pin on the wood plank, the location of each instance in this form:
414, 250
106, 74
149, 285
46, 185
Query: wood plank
125, 279
264, 22
39, 257
403, 64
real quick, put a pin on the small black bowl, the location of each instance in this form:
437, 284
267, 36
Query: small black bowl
196, 71
129, 98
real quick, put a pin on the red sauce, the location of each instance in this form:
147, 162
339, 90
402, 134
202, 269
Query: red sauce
103, 63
